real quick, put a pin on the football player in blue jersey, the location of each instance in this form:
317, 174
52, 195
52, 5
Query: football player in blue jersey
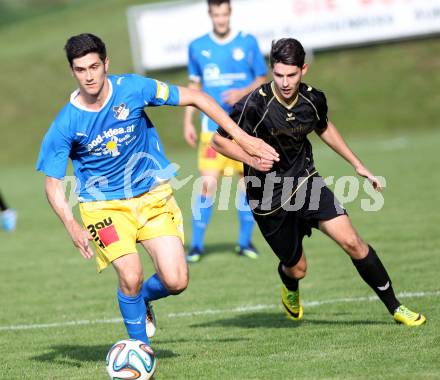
8, 216
122, 176
227, 65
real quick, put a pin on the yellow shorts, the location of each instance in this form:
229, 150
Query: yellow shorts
118, 225
209, 159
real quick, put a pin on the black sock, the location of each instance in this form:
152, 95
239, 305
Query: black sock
3, 206
375, 275
290, 283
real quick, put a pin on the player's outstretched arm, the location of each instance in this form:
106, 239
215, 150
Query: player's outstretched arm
230, 149
334, 140
57, 200
189, 130
252, 145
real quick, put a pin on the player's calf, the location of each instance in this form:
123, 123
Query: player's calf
372, 271
296, 272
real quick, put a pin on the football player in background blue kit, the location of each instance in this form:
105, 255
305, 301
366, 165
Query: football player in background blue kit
8, 216
227, 65
122, 172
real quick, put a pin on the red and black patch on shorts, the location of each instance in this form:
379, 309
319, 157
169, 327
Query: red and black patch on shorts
104, 232
108, 235
210, 152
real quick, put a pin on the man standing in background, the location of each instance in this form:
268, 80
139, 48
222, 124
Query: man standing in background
227, 65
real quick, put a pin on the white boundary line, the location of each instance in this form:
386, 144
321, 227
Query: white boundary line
240, 309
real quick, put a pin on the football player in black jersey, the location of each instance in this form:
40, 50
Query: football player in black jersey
288, 197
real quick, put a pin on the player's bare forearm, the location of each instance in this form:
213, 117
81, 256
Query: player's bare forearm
233, 95
257, 83
334, 140
188, 116
190, 110
57, 200
232, 150
189, 130
252, 145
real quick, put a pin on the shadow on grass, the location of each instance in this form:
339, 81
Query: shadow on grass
195, 339
279, 320
217, 248
76, 356
252, 320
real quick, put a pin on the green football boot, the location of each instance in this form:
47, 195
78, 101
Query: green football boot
407, 317
291, 303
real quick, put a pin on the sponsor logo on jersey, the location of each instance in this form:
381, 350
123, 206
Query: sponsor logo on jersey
206, 53
290, 116
121, 112
211, 72
238, 54
112, 146
213, 77
108, 142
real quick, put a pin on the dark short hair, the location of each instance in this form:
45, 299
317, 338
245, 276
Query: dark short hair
287, 51
83, 44
218, 2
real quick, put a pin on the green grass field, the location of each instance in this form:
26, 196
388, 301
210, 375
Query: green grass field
58, 317
229, 323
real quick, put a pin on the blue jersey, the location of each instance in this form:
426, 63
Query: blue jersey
221, 65
116, 152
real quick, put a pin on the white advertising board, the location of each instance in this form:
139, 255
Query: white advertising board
160, 32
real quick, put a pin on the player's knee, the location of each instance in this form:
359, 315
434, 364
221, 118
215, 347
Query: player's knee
131, 283
354, 246
176, 283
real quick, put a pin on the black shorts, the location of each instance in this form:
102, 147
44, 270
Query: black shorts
285, 228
